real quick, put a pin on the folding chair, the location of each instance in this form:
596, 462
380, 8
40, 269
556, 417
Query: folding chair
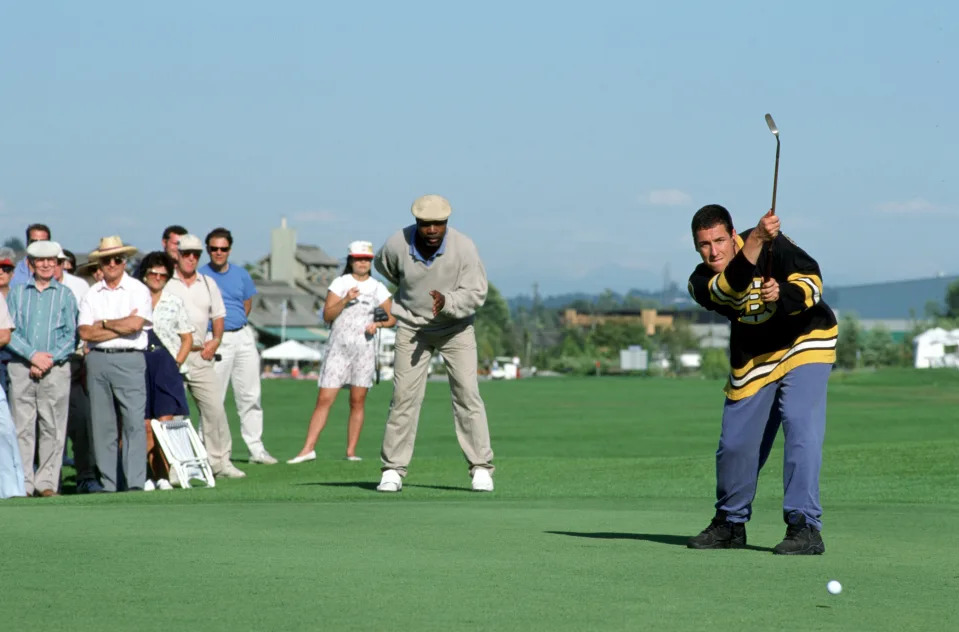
184, 451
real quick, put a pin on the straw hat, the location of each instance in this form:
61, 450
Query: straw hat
111, 246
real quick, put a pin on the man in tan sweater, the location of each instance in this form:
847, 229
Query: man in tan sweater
440, 283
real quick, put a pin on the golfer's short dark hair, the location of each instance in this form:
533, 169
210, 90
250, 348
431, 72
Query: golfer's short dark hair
220, 233
43, 227
174, 229
72, 258
711, 215
155, 258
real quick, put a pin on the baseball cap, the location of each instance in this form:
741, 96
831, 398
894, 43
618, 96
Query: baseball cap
361, 250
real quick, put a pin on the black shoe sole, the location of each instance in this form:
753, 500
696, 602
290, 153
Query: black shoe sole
716, 545
816, 549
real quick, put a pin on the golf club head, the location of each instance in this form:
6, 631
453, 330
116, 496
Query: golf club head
772, 125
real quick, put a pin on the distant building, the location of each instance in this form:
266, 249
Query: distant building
896, 306
648, 318
291, 290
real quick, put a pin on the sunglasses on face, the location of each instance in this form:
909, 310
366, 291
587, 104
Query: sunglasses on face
117, 261
218, 248
190, 253
7, 269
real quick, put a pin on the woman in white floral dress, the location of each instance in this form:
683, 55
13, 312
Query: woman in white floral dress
350, 358
169, 341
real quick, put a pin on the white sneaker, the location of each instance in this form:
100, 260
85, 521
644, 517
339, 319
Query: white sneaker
390, 482
148, 486
482, 481
354, 458
309, 456
229, 471
164, 484
263, 458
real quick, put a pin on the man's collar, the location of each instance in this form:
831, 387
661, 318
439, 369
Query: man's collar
415, 251
102, 285
32, 280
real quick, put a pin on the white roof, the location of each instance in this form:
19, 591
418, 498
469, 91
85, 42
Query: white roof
292, 350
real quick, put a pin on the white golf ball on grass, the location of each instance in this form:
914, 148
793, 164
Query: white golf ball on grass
834, 587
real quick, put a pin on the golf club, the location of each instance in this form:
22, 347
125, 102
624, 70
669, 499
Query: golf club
775, 130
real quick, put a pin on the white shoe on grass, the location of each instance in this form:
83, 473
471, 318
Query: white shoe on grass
391, 481
164, 484
309, 456
263, 458
482, 481
229, 471
148, 486
354, 458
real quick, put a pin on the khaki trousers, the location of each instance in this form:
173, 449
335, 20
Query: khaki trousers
39, 410
241, 365
414, 349
204, 386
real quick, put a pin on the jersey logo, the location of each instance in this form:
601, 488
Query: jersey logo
755, 311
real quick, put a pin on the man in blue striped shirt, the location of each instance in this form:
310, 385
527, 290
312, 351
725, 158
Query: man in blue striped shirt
44, 315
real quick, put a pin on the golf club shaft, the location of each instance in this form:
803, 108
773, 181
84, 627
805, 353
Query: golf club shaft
769, 251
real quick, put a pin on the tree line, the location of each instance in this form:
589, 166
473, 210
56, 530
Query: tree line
537, 335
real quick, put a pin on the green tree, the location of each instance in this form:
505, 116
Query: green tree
493, 328
879, 349
607, 301
849, 346
15, 244
952, 300
715, 364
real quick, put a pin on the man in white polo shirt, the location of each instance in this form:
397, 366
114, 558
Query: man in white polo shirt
112, 316
204, 304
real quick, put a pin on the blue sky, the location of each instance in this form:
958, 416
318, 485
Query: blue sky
574, 140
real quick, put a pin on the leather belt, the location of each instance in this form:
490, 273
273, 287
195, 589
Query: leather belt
116, 350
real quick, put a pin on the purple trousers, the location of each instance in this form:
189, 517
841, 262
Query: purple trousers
797, 402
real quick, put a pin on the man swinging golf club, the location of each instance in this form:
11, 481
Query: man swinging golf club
782, 346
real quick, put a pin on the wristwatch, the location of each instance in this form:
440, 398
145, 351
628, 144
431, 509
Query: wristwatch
103, 323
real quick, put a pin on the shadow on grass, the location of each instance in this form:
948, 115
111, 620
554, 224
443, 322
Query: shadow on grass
371, 486
659, 538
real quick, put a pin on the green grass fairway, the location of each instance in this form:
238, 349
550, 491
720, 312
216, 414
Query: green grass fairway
599, 482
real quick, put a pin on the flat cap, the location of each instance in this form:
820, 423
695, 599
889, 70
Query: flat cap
431, 208
44, 250
190, 242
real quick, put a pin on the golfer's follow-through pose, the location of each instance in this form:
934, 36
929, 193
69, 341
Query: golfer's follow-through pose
440, 284
782, 346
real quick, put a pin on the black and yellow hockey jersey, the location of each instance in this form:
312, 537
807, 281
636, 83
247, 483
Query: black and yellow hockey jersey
767, 341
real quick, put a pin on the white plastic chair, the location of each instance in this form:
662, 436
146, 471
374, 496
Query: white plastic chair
184, 451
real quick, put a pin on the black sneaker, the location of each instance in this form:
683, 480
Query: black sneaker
720, 534
801, 539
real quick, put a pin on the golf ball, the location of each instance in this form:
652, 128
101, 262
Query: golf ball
834, 587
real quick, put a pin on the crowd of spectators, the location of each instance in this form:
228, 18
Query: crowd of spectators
93, 353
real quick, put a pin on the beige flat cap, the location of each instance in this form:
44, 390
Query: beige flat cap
431, 208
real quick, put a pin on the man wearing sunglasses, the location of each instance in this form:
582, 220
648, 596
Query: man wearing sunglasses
204, 304
112, 315
240, 362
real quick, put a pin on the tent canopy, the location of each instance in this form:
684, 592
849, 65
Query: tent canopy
292, 350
